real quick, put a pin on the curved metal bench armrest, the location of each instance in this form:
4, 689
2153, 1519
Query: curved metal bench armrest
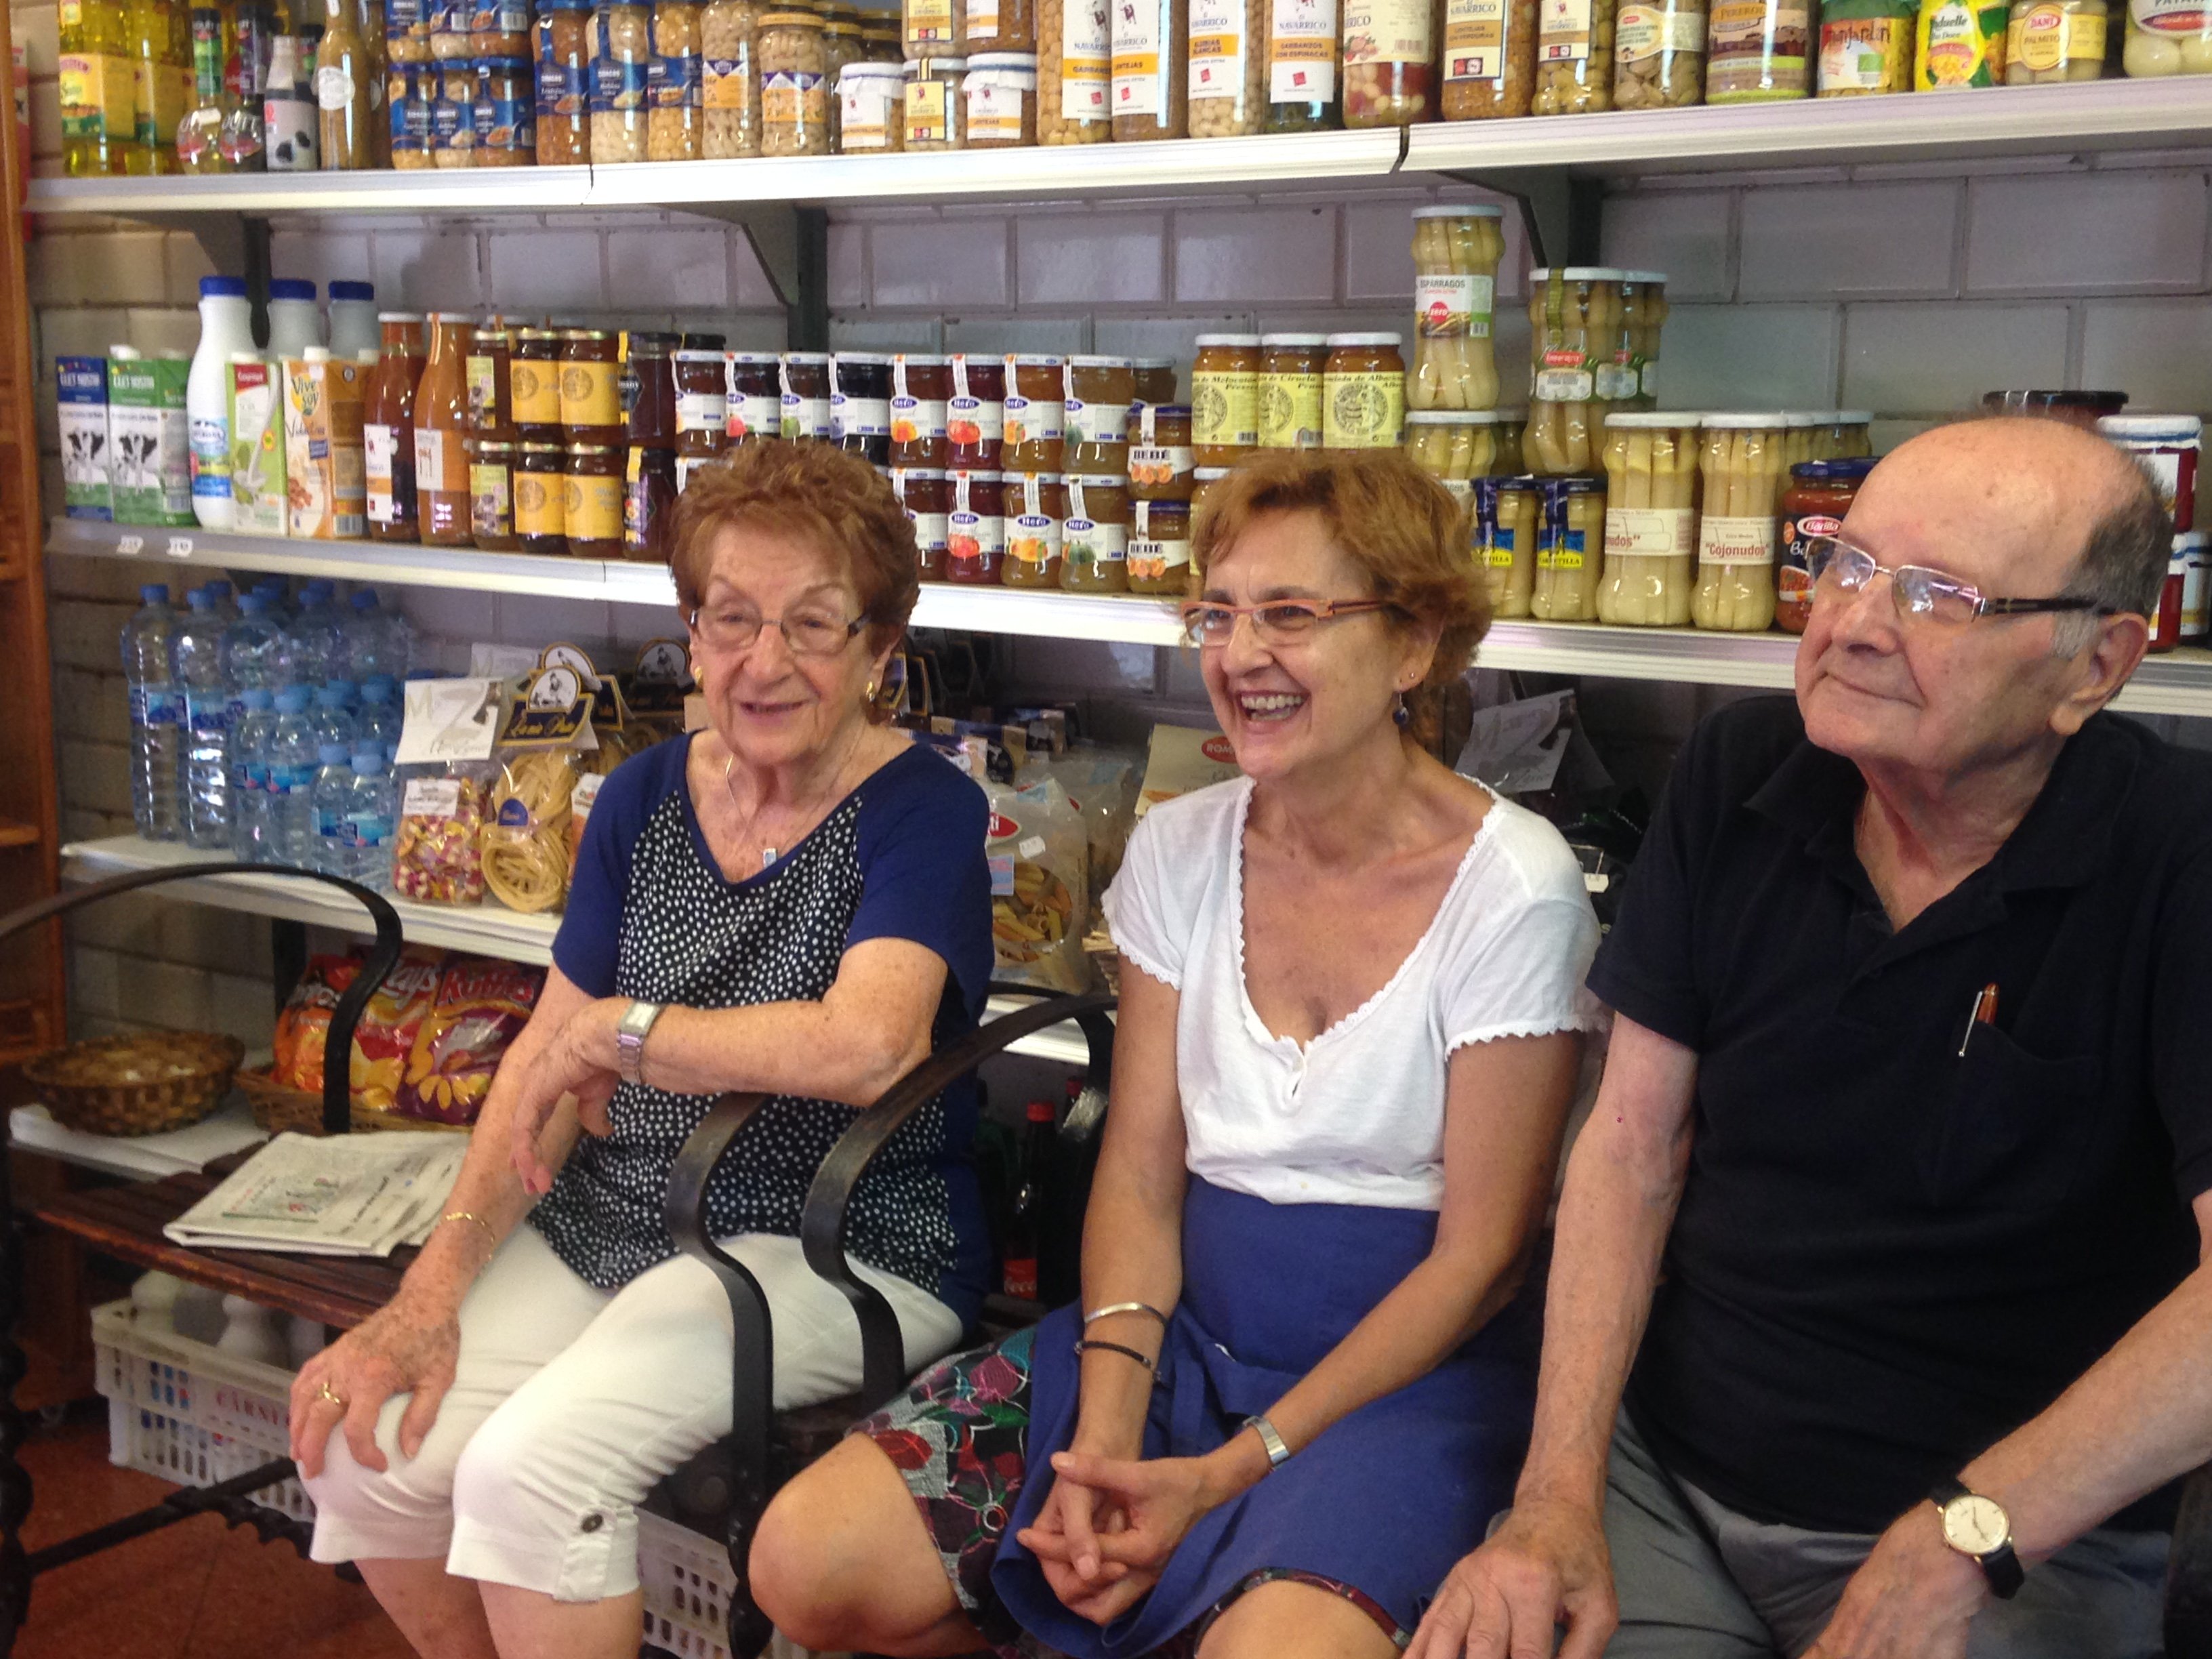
337, 1051
752, 1374
2188, 1571
821, 1223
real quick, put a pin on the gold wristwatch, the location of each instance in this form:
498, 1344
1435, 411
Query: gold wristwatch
1977, 1527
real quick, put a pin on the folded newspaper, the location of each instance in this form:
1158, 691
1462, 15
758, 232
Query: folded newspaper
361, 1194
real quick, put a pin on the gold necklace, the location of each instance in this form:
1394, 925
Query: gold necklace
729, 788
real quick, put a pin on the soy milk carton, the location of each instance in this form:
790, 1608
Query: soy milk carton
257, 445
86, 490
326, 469
150, 437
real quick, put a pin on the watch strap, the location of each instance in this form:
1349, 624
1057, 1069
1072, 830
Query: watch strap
630, 1033
1278, 1450
2001, 1565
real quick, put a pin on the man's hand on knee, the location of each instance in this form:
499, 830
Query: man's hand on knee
1913, 1598
1548, 1567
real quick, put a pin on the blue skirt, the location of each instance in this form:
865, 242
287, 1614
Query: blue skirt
1385, 1500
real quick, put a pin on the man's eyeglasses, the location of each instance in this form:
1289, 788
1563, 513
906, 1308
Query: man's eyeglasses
1277, 621
1923, 593
809, 633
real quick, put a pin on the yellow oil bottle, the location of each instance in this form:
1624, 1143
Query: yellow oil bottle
163, 83
98, 89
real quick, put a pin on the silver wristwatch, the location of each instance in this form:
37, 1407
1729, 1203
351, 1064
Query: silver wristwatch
629, 1039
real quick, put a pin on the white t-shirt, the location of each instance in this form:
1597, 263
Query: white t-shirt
1357, 1116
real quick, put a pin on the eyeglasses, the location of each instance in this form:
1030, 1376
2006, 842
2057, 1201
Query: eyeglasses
1922, 593
1278, 622
808, 633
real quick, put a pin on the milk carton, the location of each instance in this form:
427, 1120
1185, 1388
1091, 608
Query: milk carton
257, 445
86, 490
324, 464
150, 437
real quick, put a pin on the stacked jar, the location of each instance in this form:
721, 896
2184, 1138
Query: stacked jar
1303, 57
412, 96
1569, 549
1075, 64
1000, 96
565, 30
860, 404
1489, 59
1097, 396
453, 114
976, 413
1363, 391
1227, 78
1150, 61
702, 412
1659, 54
794, 85
1744, 474
1161, 454
926, 494
935, 115
622, 61
505, 112
1635, 380
729, 86
841, 44
803, 396
870, 108
1036, 415
650, 472
1574, 314
755, 397
976, 528
1225, 398
1506, 514
1094, 546
1455, 255
1574, 58
1454, 447
920, 410
1290, 371
1651, 465
1390, 51
1035, 502
675, 84
593, 433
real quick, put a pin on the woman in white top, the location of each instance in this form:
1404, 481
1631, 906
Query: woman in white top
1352, 991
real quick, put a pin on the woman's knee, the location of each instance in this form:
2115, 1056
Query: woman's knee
1286, 1619
840, 1560
403, 1509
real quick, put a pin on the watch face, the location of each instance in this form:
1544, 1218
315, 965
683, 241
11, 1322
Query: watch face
1975, 1525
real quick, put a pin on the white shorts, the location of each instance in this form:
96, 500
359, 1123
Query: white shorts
569, 1402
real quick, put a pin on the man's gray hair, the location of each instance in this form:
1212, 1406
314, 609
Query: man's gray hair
2122, 567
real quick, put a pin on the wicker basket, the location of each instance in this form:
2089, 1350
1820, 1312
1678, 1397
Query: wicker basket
1099, 948
136, 1085
282, 1110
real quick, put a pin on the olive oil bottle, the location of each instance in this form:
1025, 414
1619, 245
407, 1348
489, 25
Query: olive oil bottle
98, 89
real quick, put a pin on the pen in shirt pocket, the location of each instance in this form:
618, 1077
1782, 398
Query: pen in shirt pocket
1983, 1012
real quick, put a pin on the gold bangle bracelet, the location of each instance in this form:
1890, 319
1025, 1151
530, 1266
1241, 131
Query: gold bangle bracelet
470, 1215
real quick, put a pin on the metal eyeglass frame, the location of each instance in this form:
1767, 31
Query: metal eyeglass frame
1820, 558
1197, 612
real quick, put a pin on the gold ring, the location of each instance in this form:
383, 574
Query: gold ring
323, 1392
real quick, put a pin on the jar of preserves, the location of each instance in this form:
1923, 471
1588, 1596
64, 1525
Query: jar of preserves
592, 502
1363, 392
622, 57
702, 412
1574, 314
1000, 96
563, 34
491, 496
795, 87
1820, 493
1651, 474
1035, 504
1866, 48
1227, 76
1455, 255
1290, 366
1001, 26
1505, 514
674, 81
1574, 58
1075, 79
2166, 446
975, 535
934, 113
1303, 58
803, 396
870, 108
1390, 52
1756, 50
1160, 549
860, 404
1161, 458
1150, 60
926, 494
1511, 425
1569, 549
1036, 414
933, 26
975, 414
540, 527
1207, 480
920, 412
1454, 448
454, 116
1658, 54
484, 370
2052, 41
1153, 380
1097, 395
533, 383
1225, 398
755, 397
1094, 538
1736, 532
652, 422
2196, 551
648, 502
1959, 43
1489, 58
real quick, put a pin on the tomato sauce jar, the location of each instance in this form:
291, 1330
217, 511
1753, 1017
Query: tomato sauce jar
1820, 493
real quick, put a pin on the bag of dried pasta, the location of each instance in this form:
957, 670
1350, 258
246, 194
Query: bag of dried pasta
1040, 892
543, 746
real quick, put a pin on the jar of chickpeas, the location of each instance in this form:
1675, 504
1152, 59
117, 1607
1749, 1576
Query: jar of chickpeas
935, 115
794, 86
1303, 56
622, 59
729, 86
1000, 93
674, 118
1574, 316
1744, 477
1075, 72
1390, 52
564, 32
871, 108
1490, 58
1151, 55
1228, 75
1574, 58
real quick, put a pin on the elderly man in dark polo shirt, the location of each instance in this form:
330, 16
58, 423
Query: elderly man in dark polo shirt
1876, 1324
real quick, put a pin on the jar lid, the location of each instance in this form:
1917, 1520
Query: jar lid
653, 344
1100, 480
1648, 277
1212, 474
1761, 420
398, 316
790, 20
1580, 274
1459, 213
700, 357
923, 66
1095, 362
1024, 360
1019, 67
1205, 340
1153, 362
840, 26
863, 359
822, 357
917, 359
1147, 511
2111, 401
1306, 342
1173, 411
1851, 417
593, 449
592, 335
871, 71
1649, 420
1842, 470
1336, 340
2188, 427
537, 333
756, 359
1453, 417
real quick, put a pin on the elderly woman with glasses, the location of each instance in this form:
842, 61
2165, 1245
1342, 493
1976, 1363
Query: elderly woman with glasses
792, 901
1301, 1375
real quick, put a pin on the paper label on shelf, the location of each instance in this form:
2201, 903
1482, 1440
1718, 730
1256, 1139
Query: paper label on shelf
1451, 307
1865, 54
864, 105
982, 20
1389, 32
586, 794
1646, 32
1138, 86
1736, 540
431, 798
441, 461
928, 22
1217, 49
382, 464
1662, 531
926, 122
1474, 40
2167, 17
1302, 51
994, 104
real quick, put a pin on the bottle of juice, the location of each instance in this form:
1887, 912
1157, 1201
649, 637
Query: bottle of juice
442, 436
98, 89
199, 135
341, 82
388, 429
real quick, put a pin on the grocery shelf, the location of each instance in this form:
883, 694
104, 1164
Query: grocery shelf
486, 929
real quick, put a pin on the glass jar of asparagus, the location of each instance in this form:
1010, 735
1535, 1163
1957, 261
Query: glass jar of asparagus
1650, 519
1455, 255
1509, 424
1452, 447
1634, 381
1744, 475
1505, 541
1569, 549
1574, 315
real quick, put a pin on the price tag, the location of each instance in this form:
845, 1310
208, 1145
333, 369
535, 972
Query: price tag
180, 547
129, 546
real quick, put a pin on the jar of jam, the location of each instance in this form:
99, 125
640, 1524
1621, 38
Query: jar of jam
1094, 538
1225, 398
1099, 391
653, 414
702, 412
1820, 493
975, 535
804, 395
1036, 505
1160, 549
1036, 414
540, 526
926, 494
1160, 457
921, 397
591, 395
755, 397
648, 504
486, 366
491, 496
2166, 620
1206, 479
1290, 366
2196, 549
1363, 392
1155, 379
975, 415
592, 502
533, 386
860, 404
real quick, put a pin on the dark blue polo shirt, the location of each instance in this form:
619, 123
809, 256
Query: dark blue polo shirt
1888, 1257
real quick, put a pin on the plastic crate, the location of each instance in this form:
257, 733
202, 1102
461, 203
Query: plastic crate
687, 1582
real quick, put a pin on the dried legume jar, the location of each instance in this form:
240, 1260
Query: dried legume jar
1000, 93
1228, 74
870, 108
794, 101
454, 116
1303, 56
1390, 51
622, 59
933, 26
997, 26
935, 113
1574, 58
1075, 64
1490, 58
1150, 60
506, 113
564, 31
729, 85
674, 84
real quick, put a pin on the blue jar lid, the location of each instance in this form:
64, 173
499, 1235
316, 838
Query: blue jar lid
1850, 469
222, 288
344, 291
291, 287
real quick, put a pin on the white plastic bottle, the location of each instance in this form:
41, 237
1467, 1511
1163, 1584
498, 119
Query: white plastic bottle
225, 327
295, 319
353, 321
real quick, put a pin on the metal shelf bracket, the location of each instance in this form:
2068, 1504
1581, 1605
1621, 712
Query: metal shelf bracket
792, 246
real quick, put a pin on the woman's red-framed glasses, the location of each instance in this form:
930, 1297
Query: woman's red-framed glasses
1274, 622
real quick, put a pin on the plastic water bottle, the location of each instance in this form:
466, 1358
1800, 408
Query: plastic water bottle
296, 318
278, 592
206, 683
318, 647
331, 723
254, 646
333, 794
157, 714
377, 719
369, 814
253, 828
225, 605
378, 641
292, 755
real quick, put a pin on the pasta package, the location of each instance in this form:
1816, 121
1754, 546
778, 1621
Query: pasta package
1040, 909
1101, 787
1183, 758
544, 744
481, 1006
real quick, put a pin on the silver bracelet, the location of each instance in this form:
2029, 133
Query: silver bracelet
1278, 1450
1112, 1308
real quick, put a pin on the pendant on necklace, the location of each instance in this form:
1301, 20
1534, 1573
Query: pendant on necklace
767, 856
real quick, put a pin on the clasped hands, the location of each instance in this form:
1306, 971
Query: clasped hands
1110, 1525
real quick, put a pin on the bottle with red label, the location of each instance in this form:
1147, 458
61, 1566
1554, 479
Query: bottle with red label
1019, 1257
1820, 493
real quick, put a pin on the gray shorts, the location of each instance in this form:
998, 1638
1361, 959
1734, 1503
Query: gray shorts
1697, 1580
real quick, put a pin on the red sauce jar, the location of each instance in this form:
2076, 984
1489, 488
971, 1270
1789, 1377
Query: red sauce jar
2166, 625
975, 415
1819, 496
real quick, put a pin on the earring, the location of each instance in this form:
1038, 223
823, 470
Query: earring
1402, 715
873, 686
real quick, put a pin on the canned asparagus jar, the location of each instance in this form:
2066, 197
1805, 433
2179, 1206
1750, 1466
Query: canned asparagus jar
1651, 469
1574, 316
1455, 448
1225, 398
1364, 392
1569, 549
1035, 504
1511, 424
1455, 255
1634, 380
1094, 539
1291, 369
1505, 516
1743, 465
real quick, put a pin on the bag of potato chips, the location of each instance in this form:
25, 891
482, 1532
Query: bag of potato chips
1040, 891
